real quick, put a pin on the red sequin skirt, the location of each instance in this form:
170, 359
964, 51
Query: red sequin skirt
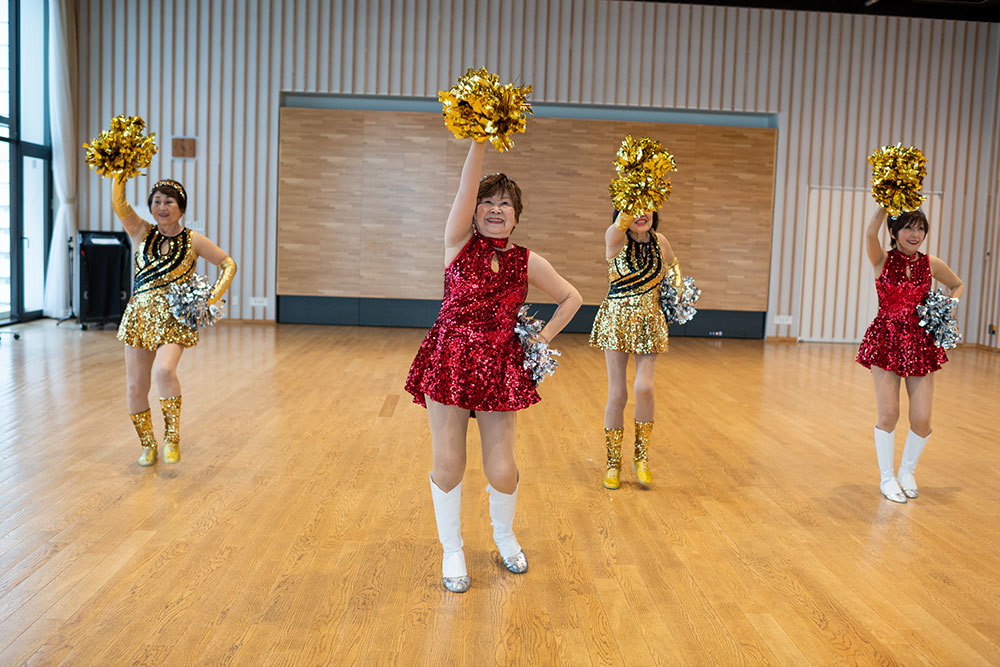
901, 346
475, 370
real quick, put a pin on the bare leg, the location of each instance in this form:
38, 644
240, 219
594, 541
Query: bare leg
614, 411
645, 403
614, 415
449, 425
165, 369
496, 430
645, 408
921, 392
138, 366
887, 402
886, 398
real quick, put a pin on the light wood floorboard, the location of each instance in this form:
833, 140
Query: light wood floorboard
298, 528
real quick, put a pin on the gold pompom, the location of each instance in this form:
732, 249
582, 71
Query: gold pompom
122, 149
897, 175
478, 107
642, 184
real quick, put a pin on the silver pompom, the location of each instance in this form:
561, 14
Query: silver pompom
188, 302
539, 358
937, 317
679, 309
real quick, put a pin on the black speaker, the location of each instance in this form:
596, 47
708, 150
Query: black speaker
105, 276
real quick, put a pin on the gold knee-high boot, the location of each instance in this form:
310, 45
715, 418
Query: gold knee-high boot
143, 423
613, 441
642, 432
172, 423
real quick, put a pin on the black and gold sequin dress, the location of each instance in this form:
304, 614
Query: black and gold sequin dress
147, 322
631, 319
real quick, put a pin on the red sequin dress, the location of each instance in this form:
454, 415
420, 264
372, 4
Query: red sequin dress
471, 357
895, 340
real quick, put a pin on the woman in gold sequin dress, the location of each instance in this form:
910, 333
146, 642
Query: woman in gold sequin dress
165, 253
631, 321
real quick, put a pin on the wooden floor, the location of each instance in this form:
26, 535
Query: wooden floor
298, 529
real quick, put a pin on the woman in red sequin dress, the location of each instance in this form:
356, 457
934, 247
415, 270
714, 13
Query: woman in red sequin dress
895, 346
471, 361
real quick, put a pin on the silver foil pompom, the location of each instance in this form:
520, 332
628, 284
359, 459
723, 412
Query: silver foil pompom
937, 317
539, 358
188, 302
679, 309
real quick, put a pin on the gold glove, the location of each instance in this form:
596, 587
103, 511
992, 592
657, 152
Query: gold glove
674, 273
118, 201
624, 220
227, 270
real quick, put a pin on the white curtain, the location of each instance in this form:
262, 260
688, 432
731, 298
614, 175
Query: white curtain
65, 154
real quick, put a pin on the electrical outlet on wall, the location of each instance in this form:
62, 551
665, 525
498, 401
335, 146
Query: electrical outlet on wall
258, 301
782, 319
195, 225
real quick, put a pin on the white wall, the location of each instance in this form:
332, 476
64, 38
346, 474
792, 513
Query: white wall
841, 84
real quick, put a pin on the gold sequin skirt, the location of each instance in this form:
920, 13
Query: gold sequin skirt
147, 323
634, 324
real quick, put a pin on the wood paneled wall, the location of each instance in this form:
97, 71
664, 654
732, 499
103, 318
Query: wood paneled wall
841, 84
363, 197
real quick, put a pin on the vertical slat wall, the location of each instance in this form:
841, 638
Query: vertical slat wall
989, 301
841, 84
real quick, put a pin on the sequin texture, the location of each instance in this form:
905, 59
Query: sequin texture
894, 340
147, 322
471, 357
630, 319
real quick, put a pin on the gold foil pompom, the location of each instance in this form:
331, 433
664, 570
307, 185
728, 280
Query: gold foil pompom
642, 184
122, 149
478, 107
897, 175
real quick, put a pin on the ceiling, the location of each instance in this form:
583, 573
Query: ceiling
968, 10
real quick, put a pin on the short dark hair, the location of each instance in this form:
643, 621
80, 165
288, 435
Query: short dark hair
917, 217
171, 189
491, 184
656, 218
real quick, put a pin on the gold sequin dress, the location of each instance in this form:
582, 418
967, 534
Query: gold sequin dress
631, 319
147, 322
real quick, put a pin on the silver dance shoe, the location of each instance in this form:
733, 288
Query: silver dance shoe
456, 584
908, 484
517, 564
893, 492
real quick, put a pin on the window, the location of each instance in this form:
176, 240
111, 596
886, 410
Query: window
25, 158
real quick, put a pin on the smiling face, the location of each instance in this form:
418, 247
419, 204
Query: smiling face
495, 215
165, 208
909, 238
498, 206
908, 231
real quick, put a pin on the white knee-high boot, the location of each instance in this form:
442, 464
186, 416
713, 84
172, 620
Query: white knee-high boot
885, 448
502, 509
448, 513
911, 454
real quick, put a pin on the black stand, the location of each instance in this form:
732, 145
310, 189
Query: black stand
105, 277
69, 282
